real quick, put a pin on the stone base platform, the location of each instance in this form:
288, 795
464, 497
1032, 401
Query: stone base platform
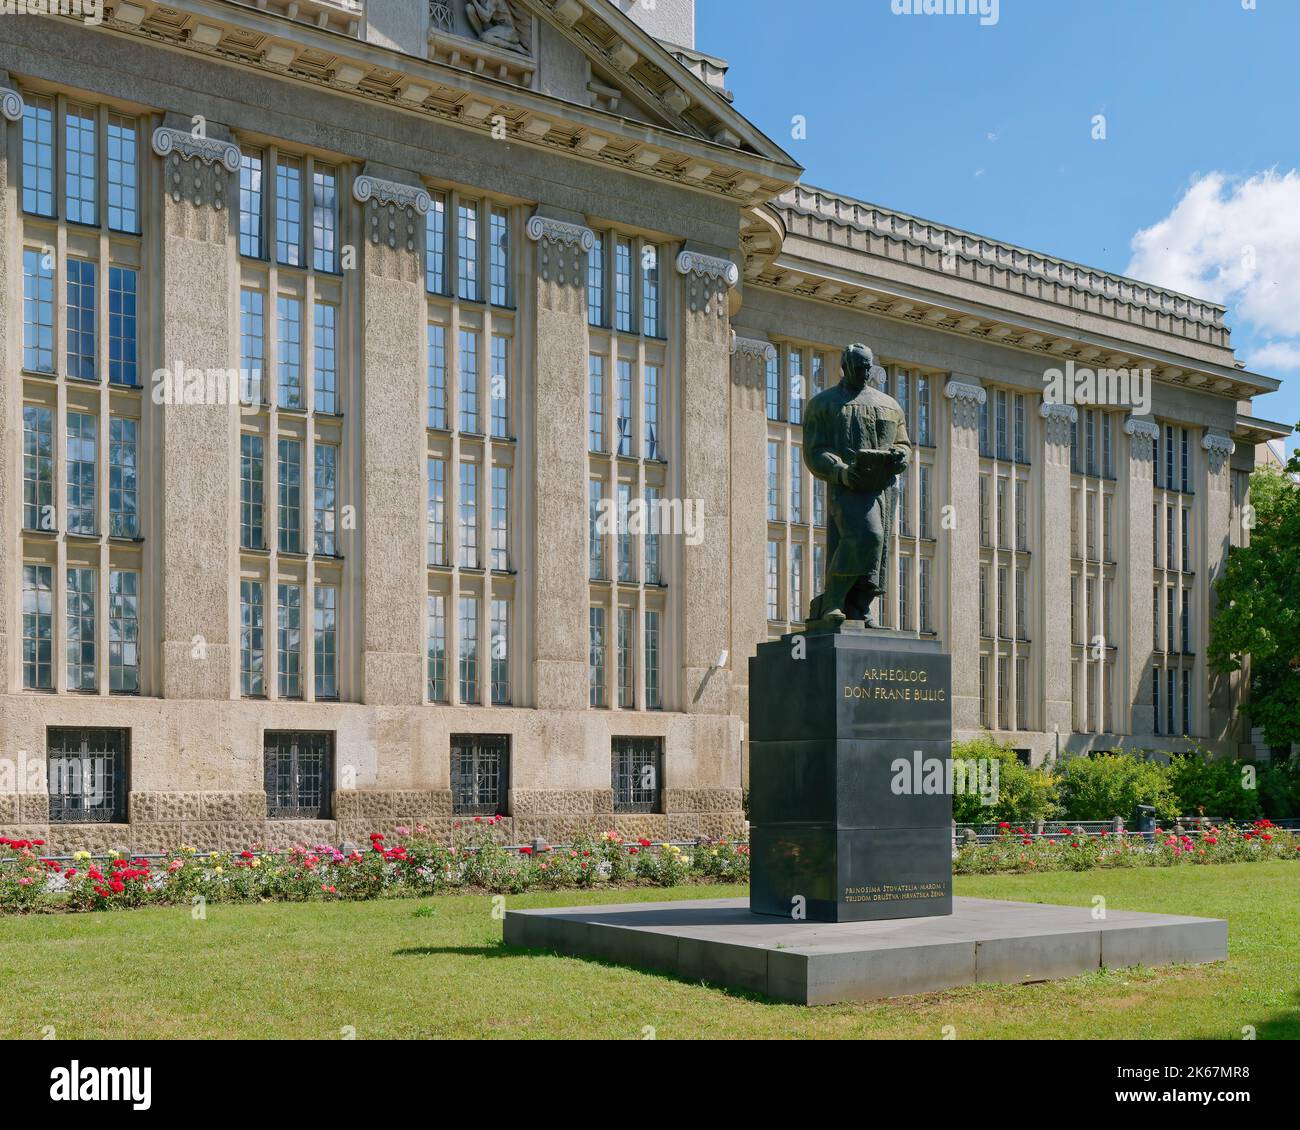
984, 940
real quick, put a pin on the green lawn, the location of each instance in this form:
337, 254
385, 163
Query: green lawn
315, 971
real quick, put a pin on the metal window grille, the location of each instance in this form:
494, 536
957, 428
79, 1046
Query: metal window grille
299, 773
86, 775
480, 773
637, 774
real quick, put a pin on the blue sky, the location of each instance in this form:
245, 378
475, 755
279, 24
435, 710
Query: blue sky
989, 128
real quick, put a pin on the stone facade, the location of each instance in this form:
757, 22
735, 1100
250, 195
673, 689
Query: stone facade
553, 271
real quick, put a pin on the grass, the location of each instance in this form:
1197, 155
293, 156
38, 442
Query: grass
436, 968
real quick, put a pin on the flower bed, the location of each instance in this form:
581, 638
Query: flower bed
1067, 849
409, 863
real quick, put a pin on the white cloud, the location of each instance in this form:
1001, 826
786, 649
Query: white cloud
1275, 356
1232, 240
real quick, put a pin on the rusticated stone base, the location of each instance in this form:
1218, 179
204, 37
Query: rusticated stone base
232, 821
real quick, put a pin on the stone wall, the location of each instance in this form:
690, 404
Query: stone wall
232, 821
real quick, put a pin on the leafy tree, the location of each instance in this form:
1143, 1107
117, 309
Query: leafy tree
1258, 612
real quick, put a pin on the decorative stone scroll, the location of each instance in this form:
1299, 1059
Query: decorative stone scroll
1059, 419
966, 400
392, 210
197, 168
1143, 437
11, 104
1218, 447
561, 248
708, 278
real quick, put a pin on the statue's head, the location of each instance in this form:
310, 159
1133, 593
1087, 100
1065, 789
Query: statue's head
856, 363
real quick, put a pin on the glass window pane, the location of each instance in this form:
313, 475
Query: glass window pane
80, 641
288, 330
325, 358
82, 444
38, 155
123, 365
123, 631
123, 497
79, 164
123, 175
80, 313
288, 211
324, 218
250, 205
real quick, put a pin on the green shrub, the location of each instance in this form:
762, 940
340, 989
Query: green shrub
1022, 795
1100, 786
1279, 789
1215, 787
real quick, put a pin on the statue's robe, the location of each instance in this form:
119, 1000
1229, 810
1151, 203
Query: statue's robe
838, 423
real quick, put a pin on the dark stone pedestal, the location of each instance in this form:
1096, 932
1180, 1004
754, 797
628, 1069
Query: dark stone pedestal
850, 736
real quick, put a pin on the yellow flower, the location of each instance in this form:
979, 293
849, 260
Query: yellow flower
81, 855
187, 849
255, 863
218, 869
214, 855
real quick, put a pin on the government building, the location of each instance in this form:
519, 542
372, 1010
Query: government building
401, 423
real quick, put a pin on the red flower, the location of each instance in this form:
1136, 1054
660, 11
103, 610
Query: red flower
1004, 824
375, 837
644, 842
525, 851
245, 855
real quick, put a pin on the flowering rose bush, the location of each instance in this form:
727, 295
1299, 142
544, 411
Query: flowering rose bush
1066, 849
411, 862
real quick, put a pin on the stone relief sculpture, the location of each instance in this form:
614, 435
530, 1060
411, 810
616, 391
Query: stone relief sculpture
496, 24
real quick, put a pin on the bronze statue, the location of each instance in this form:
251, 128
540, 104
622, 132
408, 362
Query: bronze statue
855, 440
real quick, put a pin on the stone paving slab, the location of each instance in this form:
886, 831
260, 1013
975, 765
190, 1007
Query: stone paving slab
983, 940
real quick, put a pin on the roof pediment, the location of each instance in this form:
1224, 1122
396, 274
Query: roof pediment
682, 130
652, 75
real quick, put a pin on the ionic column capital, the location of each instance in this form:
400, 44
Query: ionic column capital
966, 400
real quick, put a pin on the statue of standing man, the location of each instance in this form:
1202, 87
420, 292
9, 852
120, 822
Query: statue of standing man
855, 441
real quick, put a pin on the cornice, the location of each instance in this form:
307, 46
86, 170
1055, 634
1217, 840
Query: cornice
244, 36
808, 280
970, 250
